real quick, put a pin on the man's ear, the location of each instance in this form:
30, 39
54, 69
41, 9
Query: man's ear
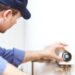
7, 14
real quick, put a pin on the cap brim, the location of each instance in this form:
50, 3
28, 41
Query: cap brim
25, 13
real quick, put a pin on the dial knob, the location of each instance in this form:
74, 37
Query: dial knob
66, 56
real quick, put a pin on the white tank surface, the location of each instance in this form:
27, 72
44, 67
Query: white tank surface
51, 21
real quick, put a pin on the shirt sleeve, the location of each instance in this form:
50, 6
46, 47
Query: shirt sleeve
13, 56
3, 64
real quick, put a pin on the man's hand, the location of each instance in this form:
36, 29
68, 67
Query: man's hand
50, 51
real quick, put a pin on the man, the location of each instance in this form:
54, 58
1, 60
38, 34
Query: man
10, 10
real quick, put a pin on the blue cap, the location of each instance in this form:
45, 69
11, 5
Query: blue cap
18, 4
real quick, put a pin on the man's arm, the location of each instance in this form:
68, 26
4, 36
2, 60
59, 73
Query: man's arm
48, 53
16, 56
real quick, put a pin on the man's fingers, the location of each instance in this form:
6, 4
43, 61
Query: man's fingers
58, 58
62, 49
63, 44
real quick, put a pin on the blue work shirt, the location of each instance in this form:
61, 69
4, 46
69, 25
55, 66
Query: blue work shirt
13, 56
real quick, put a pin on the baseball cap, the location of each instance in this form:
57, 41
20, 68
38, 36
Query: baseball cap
19, 5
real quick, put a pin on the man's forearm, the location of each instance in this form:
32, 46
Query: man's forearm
33, 55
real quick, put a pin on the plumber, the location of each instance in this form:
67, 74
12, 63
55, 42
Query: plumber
10, 11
